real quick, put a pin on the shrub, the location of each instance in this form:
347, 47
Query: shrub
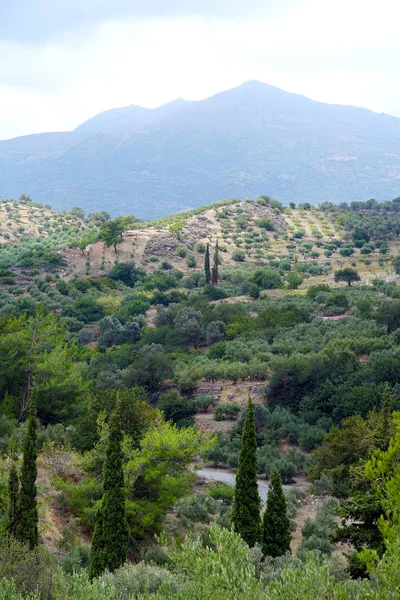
225, 412
200, 247
215, 332
30, 570
204, 402
238, 255
182, 252
346, 251
266, 224
165, 265
85, 336
176, 408
191, 261
322, 486
222, 491
197, 509
126, 272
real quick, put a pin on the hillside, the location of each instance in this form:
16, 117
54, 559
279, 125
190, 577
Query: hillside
250, 234
239, 143
86, 328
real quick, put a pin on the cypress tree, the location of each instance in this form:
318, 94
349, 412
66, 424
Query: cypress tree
97, 563
385, 429
246, 505
276, 524
207, 270
110, 539
13, 491
27, 522
214, 271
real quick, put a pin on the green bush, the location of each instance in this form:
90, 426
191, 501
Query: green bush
238, 255
191, 261
182, 252
197, 509
30, 570
266, 224
225, 412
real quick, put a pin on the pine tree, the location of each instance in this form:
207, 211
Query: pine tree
214, 271
276, 523
246, 506
27, 523
207, 270
13, 491
110, 538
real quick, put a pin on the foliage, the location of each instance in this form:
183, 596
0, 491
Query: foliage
224, 412
30, 570
207, 270
276, 524
26, 529
348, 275
317, 533
110, 538
111, 231
246, 505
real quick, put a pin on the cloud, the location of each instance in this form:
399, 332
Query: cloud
38, 20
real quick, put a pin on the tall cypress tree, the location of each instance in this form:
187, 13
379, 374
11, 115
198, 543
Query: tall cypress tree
110, 539
27, 522
207, 270
385, 429
13, 491
246, 505
214, 271
276, 524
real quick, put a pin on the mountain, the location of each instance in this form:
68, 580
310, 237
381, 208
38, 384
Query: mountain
254, 139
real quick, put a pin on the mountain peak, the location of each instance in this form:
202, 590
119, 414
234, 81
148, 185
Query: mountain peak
244, 142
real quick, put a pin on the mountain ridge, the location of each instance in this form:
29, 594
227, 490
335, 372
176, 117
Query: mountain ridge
243, 142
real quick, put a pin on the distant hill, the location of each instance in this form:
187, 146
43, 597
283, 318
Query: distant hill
252, 140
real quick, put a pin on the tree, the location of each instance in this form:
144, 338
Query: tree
348, 275
110, 538
13, 491
396, 264
27, 523
36, 349
385, 428
389, 315
78, 212
85, 240
127, 273
214, 271
246, 506
207, 271
276, 523
266, 279
215, 332
111, 231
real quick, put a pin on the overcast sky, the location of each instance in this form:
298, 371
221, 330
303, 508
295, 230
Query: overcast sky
63, 61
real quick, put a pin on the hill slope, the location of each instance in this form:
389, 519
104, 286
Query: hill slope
246, 141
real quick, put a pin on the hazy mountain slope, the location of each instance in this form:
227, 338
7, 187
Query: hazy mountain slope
251, 140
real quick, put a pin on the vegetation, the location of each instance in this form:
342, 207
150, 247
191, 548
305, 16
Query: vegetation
110, 538
276, 524
178, 356
26, 517
246, 505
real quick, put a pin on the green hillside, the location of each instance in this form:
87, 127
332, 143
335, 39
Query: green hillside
126, 369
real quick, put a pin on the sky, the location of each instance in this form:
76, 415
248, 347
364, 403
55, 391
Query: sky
63, 61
